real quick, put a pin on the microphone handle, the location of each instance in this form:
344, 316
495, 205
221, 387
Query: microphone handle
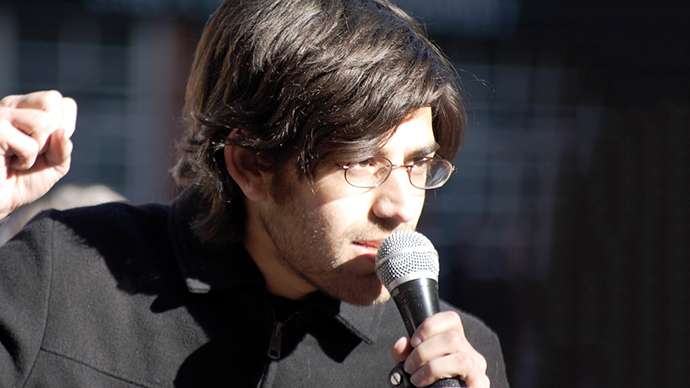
417, 300
398, 378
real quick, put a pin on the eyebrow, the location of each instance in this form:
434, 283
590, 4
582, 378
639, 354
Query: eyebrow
422, 150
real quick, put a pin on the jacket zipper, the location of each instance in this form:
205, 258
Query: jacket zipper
276, 343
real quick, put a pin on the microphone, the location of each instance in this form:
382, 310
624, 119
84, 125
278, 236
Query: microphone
407, 264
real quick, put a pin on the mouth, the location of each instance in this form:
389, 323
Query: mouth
367, 248
369, 244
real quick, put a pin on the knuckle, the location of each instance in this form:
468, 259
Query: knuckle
455, 339
483, 365
470, 364
69, 102
456, 321
464, 362
418, 355
453, 320
6, 116
454, 315
52, 96
447, 316
44, 120
431, 369
6, 101
483, 382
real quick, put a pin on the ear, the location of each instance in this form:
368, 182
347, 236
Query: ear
241, 166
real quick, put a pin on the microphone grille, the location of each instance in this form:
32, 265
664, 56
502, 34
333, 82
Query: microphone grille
405, 256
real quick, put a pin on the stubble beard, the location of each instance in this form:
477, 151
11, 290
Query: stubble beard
305, 246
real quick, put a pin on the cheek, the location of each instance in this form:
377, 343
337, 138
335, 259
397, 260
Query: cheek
332, 187
343, 213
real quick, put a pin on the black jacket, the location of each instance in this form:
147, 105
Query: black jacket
123, 296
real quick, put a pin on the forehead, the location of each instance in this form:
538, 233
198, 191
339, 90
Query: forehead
414, 135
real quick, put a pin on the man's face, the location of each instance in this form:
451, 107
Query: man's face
325, 235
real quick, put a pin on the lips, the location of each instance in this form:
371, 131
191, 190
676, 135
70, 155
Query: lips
367, 249
371, 244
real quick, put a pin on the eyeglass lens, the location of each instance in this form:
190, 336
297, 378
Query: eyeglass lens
429, 173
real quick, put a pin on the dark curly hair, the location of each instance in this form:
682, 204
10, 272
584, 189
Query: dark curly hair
303, 82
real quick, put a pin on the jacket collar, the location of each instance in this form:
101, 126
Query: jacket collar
206, 268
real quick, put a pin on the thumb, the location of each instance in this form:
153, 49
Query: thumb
60, 150
401, 349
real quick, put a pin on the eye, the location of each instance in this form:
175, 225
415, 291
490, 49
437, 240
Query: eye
422, 161
364, 164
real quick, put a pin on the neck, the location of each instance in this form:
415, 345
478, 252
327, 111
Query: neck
280, 279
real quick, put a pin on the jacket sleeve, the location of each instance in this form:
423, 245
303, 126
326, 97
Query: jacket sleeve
486, 342
491, 349
25, 272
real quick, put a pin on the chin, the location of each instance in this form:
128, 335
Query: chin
359, 298
383, 298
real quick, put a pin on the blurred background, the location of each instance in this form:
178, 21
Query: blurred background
567, 226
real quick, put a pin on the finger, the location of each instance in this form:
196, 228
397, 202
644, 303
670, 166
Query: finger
440, 345
34, 123
447, 355
31, 120
21, 148
60, 151
437, 323
401, 349
47, 113
10, 101
61, 111
69, 116
447, 367
441, 350
43, 100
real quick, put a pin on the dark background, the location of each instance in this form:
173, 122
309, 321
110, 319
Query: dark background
567, 226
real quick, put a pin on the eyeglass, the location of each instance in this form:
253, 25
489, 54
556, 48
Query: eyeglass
424, 173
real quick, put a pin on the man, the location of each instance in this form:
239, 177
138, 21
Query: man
312, 128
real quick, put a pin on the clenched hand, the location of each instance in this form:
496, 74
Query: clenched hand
35, 146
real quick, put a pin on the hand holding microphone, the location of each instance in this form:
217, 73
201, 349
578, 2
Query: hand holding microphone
407, 265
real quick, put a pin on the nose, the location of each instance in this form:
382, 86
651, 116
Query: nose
397, 199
